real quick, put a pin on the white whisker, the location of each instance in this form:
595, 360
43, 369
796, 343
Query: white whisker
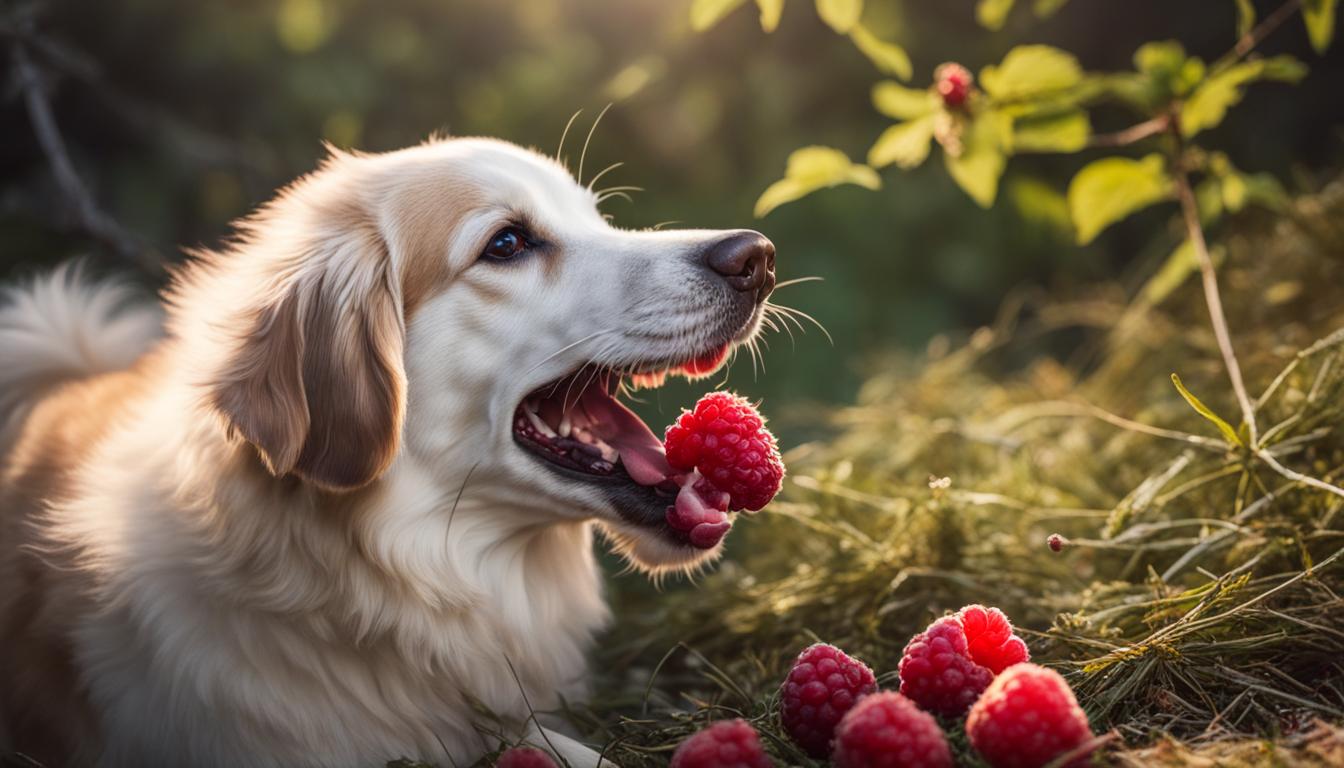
603, 198
788, 320
602, 173
792, 311
566, 348
563, 135
797, 280
584, 154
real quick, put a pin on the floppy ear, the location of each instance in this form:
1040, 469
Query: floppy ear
318, 385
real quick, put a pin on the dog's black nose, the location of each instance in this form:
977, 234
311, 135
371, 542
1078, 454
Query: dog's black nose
746, 259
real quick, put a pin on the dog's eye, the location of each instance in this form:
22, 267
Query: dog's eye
507, 243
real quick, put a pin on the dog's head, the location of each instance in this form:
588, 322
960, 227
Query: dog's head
465, 305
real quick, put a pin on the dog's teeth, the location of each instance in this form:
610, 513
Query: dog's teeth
538, 424
566, 427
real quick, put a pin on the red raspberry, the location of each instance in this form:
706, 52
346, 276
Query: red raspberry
990, 638
886, 730
1026, 718
727, 744
953, 83
937, 671
726, 440
524, 757
822, 686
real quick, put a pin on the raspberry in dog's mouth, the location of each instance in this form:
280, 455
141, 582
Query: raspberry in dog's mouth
578, 428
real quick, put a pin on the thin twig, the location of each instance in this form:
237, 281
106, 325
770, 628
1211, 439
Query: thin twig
1132, 134
1251, 40
1212, 297
1291, 474
89, 217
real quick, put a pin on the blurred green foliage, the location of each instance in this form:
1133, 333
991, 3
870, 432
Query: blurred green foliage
182, 116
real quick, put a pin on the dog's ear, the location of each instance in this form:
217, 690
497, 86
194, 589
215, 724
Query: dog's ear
317, 385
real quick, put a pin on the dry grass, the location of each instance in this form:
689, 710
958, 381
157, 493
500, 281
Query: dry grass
1196, 608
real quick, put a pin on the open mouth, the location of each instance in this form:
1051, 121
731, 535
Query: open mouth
578, 428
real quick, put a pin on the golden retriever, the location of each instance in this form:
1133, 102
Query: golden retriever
344, 500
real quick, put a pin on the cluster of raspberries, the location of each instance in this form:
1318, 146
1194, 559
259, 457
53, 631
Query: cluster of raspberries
1020, 715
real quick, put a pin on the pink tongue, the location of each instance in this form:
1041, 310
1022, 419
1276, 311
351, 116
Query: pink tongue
641, 451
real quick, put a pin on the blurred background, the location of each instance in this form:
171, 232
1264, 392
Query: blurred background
180, 116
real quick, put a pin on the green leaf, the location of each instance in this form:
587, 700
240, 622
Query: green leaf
1264, 190
707, 13
1209, 103
1178, 267
1046, 8
1162, 56
1031, 71
1245, 17
1320, 18
1108, 190
1229, 433
1169, 72
980, 164
905, 144
992, 13
1173, 273
896, 101
810, 169
1059, 132
840, 15
770, 10
1234, 192
1040, 204
889, 58
1209, 201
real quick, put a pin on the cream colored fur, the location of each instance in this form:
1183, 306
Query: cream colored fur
296, 531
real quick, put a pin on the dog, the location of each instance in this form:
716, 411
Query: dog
336, 497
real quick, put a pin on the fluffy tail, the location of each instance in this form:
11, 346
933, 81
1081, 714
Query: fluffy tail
63, 326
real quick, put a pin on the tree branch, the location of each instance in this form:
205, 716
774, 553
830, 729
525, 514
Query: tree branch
89, 217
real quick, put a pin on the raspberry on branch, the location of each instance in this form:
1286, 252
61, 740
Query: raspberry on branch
953, 83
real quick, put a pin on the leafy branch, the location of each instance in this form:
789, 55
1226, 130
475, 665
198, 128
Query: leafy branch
1037, 99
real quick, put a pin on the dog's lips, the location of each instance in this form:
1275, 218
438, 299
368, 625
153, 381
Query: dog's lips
696, 368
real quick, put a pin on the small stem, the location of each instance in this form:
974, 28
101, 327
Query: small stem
1291, 474
1213, 298
1252, 39
1132, 134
